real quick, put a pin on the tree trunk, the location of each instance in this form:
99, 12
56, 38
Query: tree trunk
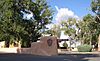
70, 45
7, 44
99, 43
90, 43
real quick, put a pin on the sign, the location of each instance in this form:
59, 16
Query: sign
49, 42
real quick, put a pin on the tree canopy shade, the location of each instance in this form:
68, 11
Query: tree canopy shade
23, 20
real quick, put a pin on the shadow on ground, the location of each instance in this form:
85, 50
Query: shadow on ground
66, 57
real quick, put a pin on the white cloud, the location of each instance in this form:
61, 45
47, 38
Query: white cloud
64, 14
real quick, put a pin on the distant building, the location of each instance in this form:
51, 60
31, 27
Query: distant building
67, 39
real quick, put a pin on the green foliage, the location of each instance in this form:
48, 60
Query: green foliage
84, 48
54, 31
88, 30
95, 7
14, 27
69, 27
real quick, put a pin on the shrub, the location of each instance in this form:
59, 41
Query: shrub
84, 48
65, 44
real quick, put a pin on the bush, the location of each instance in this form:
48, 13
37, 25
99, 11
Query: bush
65, 44
84, 48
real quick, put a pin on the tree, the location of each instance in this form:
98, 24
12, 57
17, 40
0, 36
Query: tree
54, 30
23, 20
69, 26
88, 29
95, 7
83, 30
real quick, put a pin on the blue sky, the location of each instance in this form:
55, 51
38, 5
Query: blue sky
79, 7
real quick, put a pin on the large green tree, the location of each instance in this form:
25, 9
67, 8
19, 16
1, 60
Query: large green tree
69, 27
85, 30
95, 7
16, 23
88, 29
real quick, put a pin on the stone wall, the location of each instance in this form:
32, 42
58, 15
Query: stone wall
46, 47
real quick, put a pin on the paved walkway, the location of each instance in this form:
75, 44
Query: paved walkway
71, 52
66, 57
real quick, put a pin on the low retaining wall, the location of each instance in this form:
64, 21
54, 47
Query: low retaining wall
15, 50
24, 50
8, 50
46, 47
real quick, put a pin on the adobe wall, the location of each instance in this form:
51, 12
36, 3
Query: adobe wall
46, 47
